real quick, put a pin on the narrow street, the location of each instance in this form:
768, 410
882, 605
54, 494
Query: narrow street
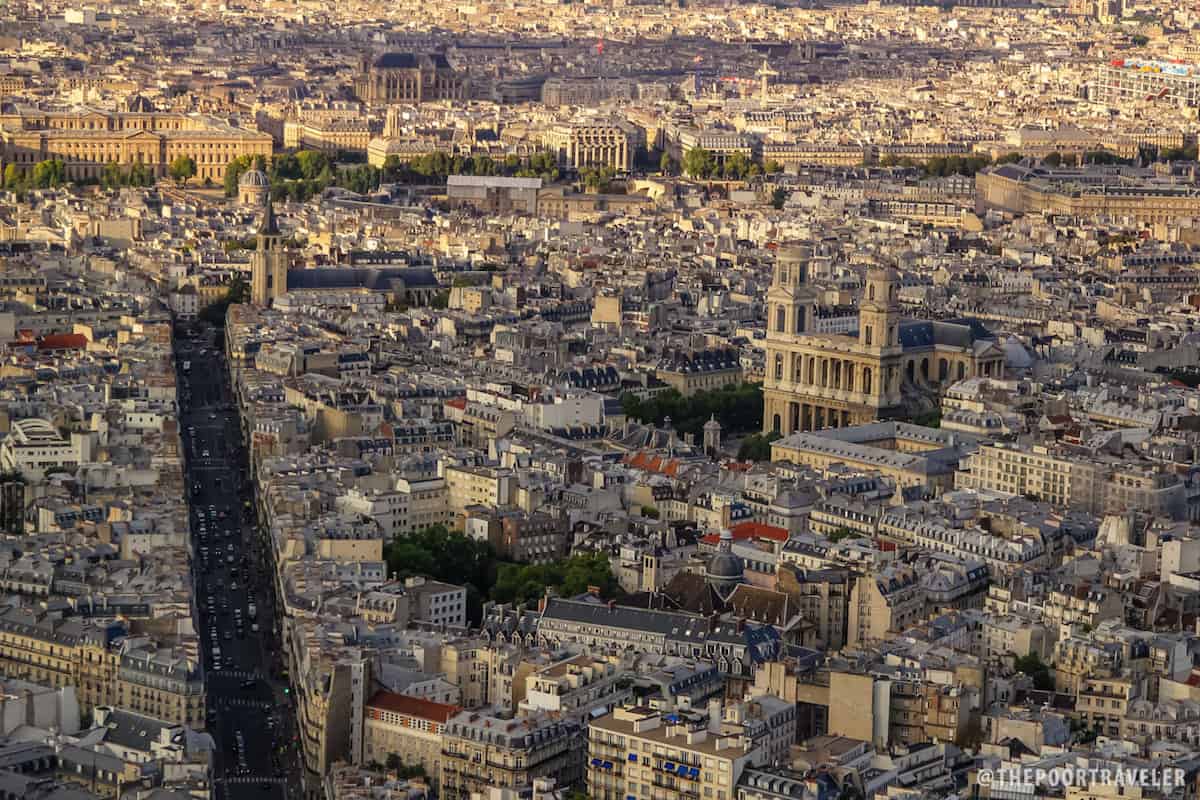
249, 708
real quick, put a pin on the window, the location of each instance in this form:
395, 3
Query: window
781, 319
867, 335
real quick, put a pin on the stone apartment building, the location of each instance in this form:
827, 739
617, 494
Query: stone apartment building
642, 752
1076, 478
885, 706
481, 751
105, 666
884, 602
409, 727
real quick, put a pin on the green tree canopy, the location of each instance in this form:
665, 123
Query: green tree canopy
699, 163
739, 409
757, 447
48, 174
526, 583
1031, 665
182, 169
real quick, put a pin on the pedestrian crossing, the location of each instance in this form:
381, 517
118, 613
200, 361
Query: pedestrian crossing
236, 674
244, 702
250, 779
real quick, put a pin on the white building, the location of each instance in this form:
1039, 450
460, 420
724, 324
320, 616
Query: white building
34, 446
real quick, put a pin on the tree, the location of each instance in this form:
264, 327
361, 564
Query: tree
310, 163
779, 196
48, 174
699, 163
772, 167
757, 447
233, 173
1031, 665
737, 408
447, 556
666, 164
527, 583
14, 178
842, 533
238, 291
650, 512
182, 169
736, 166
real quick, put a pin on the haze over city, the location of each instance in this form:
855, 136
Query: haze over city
599, 400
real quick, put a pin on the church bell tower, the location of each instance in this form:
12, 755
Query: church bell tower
790, 300
879, 310
268, 265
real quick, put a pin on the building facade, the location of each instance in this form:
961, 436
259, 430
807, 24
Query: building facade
408, 78
816, 381
408, 727
87, 140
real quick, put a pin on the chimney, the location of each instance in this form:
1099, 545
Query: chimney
714, 715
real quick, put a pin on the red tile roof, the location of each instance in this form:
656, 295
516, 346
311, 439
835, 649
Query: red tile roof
413, 706
750, 531
63, 341
649, 463
459, 402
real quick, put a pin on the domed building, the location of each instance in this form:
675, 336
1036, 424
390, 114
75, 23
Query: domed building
254, 188
725, 571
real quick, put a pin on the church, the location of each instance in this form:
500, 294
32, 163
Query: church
271, 276
889, 368
409, 78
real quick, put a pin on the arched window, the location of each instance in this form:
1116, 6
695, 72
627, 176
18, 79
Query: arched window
778, 366
943, 369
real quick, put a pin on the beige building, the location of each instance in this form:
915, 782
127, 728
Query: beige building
1074, 478
592, 144
480, 752
645, 753
1078, 193
701, 370
912, 455
816, 381
408, 78
1103, 702
883, 604
328, 136
409, 727
470, 486
157, 682
86, 140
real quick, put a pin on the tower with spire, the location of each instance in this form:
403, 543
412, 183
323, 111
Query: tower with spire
268, 265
